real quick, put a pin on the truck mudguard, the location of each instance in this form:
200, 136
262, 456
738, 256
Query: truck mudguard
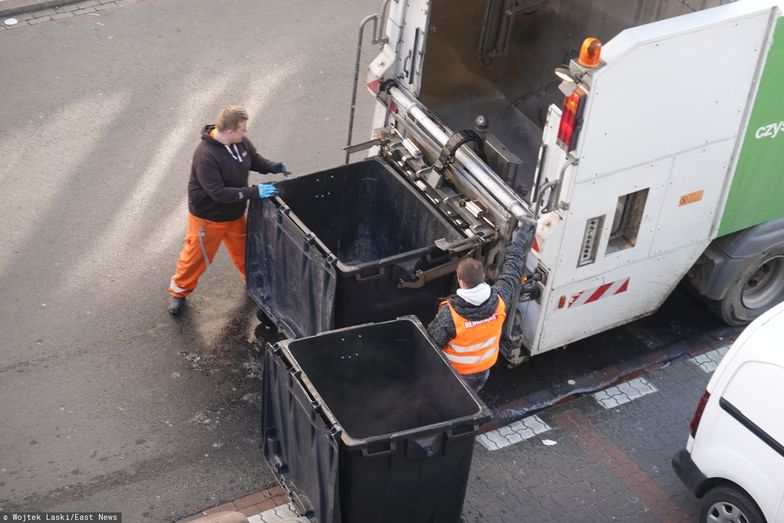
725, 257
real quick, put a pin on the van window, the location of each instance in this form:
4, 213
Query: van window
756, 391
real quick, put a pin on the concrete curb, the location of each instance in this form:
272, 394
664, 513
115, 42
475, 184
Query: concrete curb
8, 8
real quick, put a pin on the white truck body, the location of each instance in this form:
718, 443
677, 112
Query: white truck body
641, 196
625, 147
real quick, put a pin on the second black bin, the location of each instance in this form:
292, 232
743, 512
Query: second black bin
346, 246
370, 424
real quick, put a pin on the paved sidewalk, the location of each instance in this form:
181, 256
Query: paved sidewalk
15, 14
10, 8
591, 459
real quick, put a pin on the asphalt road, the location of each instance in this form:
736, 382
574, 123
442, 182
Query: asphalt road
107, 403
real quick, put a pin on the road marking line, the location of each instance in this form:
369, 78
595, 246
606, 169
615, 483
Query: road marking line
710, 360
514, 433
620, 465
624, 393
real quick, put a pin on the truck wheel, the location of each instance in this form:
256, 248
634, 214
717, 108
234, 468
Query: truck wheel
758, 287
728, 503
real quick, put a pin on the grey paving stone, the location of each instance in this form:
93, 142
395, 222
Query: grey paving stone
65, 8
652, 429
565, 483
514, 433
43, 12
553, 480
21, 17
709, 360
624, 393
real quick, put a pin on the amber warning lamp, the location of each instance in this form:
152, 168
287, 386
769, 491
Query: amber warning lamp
590, 52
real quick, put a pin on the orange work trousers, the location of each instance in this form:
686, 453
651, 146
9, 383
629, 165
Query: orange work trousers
204, 235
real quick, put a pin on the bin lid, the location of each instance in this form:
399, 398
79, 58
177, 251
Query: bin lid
383, 381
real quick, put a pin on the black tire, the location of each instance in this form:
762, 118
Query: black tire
729, 503
757, 287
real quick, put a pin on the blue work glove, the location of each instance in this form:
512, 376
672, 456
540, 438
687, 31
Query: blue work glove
267, 190
524, 232
281, 168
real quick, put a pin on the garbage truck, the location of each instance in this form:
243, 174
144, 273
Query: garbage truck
644, 137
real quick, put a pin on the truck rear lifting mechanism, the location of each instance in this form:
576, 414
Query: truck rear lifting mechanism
638, 171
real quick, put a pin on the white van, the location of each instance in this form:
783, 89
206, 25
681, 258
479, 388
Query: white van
734, 458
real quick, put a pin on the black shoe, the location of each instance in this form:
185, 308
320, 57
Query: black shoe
176, 305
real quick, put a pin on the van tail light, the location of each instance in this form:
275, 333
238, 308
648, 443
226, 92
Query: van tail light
570, 120
695, 420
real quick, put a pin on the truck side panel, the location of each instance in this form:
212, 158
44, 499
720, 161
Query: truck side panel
663, 119
757, 191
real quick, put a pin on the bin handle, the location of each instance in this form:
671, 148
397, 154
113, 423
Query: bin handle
456, 433
461, 245
422, 277
376, 276
384, 452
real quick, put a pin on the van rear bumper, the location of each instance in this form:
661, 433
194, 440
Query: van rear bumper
687, 471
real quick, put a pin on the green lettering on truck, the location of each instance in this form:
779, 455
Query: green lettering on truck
757, 191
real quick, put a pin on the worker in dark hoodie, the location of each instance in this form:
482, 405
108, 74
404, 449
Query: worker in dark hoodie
218, 192
468, 325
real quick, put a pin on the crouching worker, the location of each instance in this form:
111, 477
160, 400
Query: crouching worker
468, 325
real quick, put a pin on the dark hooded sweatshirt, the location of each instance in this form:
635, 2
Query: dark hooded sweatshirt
218, 188
442, 328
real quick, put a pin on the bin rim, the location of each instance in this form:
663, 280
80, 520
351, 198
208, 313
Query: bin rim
481, 416
284, 209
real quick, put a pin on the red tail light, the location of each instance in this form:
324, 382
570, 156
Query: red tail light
695, 420
570, 120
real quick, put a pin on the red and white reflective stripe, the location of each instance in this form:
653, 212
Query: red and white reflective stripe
597, 293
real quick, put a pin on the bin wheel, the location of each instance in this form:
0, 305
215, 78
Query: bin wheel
757, 287
731, 504
266, 333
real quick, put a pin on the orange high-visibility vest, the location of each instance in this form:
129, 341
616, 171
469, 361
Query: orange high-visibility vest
475, 346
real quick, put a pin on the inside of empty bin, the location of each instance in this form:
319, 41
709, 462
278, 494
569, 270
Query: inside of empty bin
382, 378
364, 212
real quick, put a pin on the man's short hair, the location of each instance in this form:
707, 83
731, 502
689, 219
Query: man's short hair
230, 117
471, 272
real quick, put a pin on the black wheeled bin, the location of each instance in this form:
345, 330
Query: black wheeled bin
347, 246
369, 424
